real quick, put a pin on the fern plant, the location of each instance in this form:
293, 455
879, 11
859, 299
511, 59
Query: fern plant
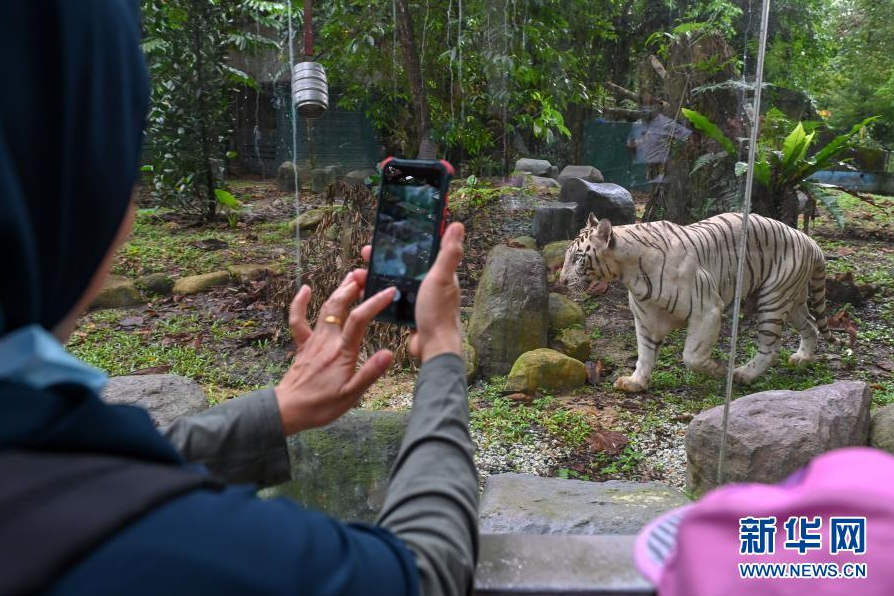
783, 167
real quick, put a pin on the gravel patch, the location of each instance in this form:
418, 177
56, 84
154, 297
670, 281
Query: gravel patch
540, 455
664, 453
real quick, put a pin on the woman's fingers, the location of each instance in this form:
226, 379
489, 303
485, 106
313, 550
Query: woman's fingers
298, 316
365, 252
450, 253
368, 374
360, 318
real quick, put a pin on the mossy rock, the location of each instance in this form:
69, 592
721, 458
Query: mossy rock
554, 254
248, 272
510, 312
156, 284
343, 468
117, 292
545, 369
564, 313
523, 242
572, 342
470, 356
195, 284
309, 220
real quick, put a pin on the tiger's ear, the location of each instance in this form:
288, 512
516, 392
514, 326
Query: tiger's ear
603, 235
592, 222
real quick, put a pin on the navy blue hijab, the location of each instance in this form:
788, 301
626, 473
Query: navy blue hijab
72, 108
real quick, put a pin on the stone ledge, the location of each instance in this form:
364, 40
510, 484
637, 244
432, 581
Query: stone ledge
536, 564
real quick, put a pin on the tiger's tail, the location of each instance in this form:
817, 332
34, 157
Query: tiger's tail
818, 301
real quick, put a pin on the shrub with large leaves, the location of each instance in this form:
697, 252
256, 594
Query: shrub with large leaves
784, 165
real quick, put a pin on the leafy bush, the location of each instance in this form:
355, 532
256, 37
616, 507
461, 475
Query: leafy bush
187, 43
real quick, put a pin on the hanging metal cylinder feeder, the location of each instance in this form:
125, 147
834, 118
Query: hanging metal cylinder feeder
310, 88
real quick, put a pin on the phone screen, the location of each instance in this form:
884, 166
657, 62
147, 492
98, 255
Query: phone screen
405, 227
406, 235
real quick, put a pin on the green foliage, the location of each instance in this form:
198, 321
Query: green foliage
187, 43
785, 163
502, 420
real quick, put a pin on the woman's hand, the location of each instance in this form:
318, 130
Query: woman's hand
323, 382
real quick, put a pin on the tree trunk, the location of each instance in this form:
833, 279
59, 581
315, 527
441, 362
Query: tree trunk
407, 40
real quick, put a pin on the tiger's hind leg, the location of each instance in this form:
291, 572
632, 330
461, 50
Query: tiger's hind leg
801, 320
769, 341
701, 337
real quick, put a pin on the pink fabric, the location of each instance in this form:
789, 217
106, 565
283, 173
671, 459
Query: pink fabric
854, 482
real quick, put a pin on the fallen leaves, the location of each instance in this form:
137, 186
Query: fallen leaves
840, 321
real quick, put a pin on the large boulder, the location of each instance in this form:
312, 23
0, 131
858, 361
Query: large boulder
250, 271
542, 182
358, 177
554, 254
537, 167
881, 429
343, 468
573, 342
554, 221
588, 173
510, 312
524, 504
286, 175
773, 433
470, 357
117, 292
322, 178
165, 397
545, 369
195, 284
605, 200
564, 313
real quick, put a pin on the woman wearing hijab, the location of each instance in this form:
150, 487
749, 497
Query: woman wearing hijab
95, 500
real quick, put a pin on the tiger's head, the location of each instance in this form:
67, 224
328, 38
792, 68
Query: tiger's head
589, 259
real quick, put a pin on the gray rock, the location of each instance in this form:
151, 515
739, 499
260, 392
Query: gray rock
165, 397
537, 167
529, 564
542, 183
117, 292
773, 433
321, 178
343, 468
509, 317
554, 221
588, 173
881, 429
524, 504
358, 177
285, 177
606, 200
158, 284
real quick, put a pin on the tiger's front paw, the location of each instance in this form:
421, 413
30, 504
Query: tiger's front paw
798, 358
629, 385
744, 376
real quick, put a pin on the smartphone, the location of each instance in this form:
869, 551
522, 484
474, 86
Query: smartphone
410, 220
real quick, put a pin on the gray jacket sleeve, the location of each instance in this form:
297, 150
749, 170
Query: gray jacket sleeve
432, 500
240, 440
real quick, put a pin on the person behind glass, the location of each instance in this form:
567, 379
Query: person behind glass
71, 119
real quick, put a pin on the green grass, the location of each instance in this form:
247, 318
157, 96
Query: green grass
502, 420
120, 351
159, 246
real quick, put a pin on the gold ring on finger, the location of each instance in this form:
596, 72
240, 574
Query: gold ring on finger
334, 320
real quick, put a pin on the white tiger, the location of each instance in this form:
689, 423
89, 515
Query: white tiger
680, 276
